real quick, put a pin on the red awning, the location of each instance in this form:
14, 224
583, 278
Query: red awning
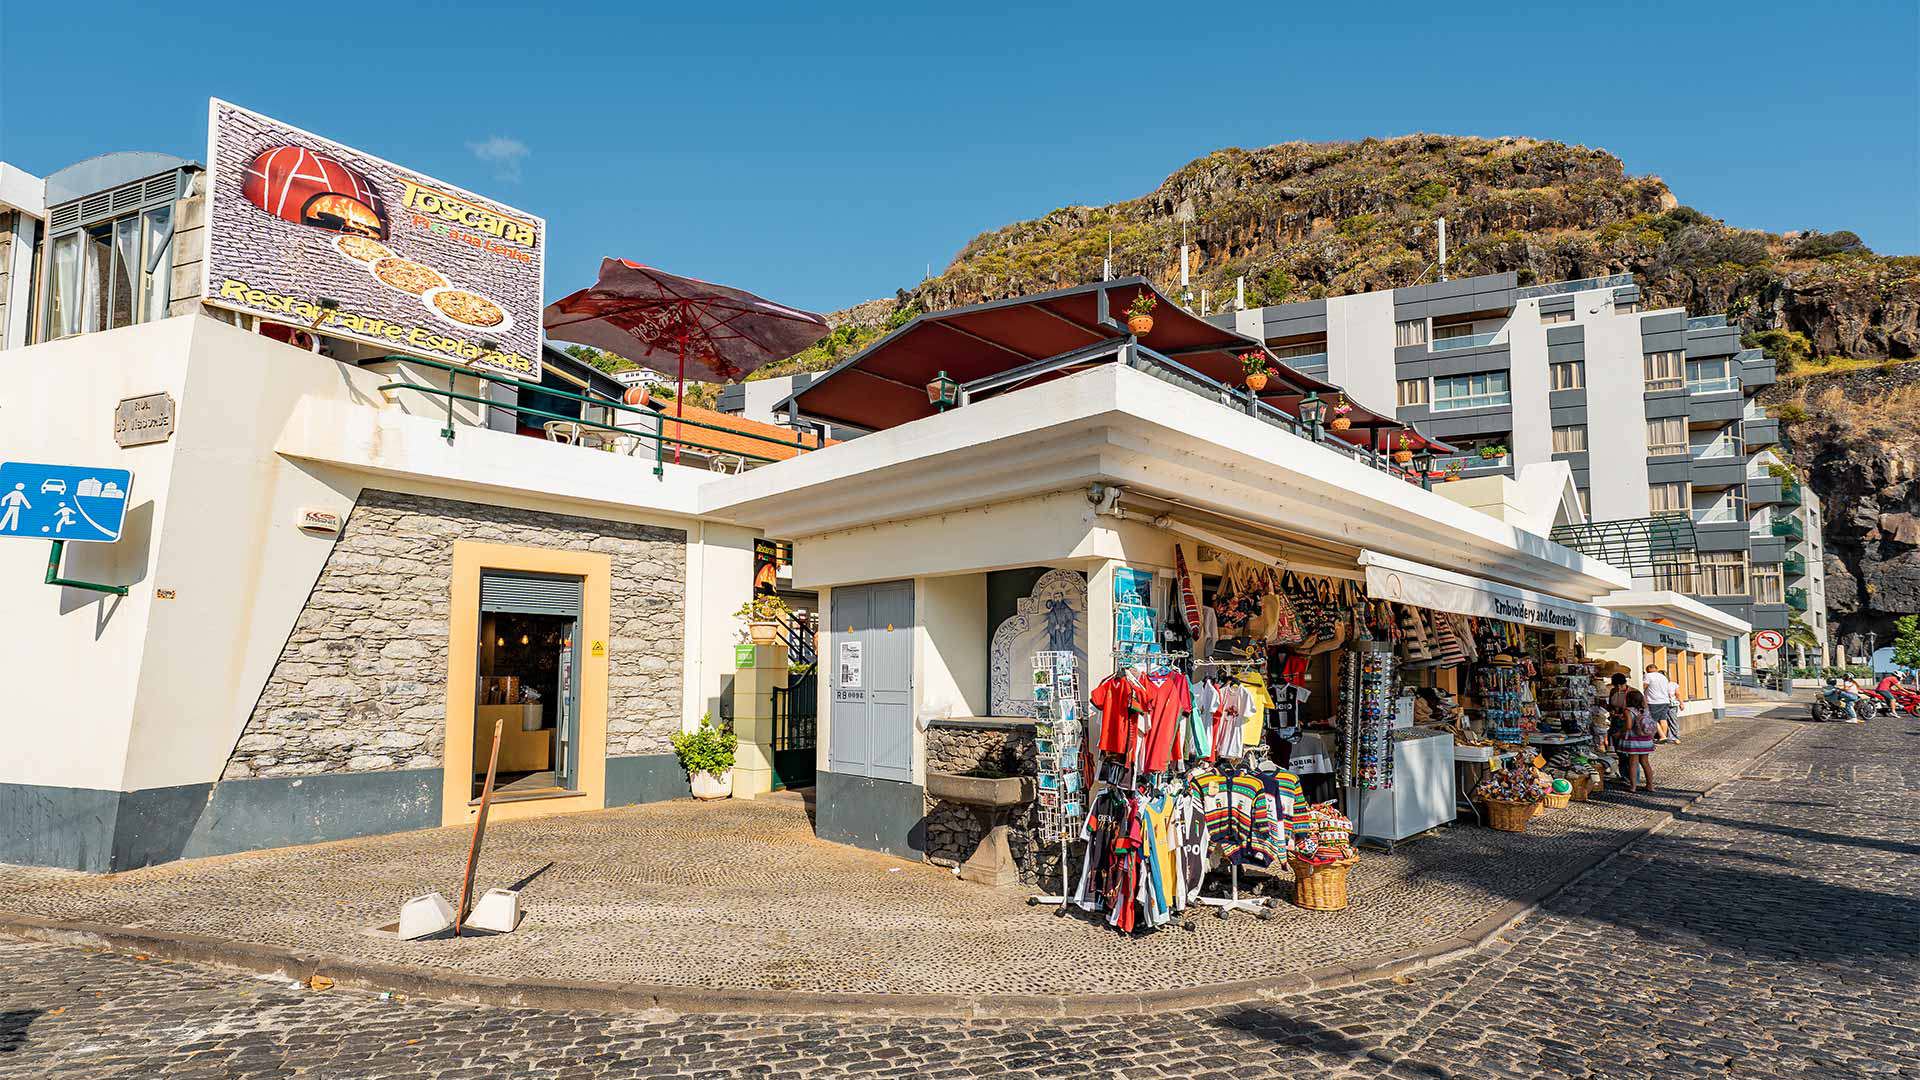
885, 384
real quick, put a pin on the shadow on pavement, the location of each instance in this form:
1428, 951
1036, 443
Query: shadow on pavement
1283, 1029
1813, 835
13, 1028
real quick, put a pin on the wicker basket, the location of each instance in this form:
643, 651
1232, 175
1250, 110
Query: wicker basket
1321, 887
1507, 816
1582, 787
1558, 802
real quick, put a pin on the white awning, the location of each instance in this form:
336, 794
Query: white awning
1406, 582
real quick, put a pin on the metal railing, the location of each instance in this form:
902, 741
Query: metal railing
1464, 341
1706, 322
1175, 373
1559, 288
661, 439
1722, 385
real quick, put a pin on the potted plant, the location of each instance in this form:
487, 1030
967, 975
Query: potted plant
1341, 407
1254, 363
1453, 471
1403, 451
1488, 453
1140, 313
707, 755
763, 615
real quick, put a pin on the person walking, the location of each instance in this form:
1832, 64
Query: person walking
1617, 692
1663, 701
1637, 747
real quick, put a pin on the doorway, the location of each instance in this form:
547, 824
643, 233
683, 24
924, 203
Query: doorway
528, 669
870, 668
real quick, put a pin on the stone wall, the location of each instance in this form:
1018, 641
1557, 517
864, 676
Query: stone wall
954, 829
361, 682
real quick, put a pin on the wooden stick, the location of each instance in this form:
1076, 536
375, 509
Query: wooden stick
479, 831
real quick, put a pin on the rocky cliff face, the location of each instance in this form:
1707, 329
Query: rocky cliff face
1856, 442
1305, 220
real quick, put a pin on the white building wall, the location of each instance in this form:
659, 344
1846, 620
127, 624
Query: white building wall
1360, 354
1616, 411
141, 692
1527, 379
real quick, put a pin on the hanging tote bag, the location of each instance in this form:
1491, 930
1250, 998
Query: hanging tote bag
1283, 622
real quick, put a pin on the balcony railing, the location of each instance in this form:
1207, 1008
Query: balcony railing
1175, 373
652, 424
1794, 565
1561, 288
1465, 341
1797, 599
1715, 450
1473, 460
1722, 385
1790, 528
1706, 322
1301, 361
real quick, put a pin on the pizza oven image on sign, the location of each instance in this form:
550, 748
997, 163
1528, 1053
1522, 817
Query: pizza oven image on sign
306, 188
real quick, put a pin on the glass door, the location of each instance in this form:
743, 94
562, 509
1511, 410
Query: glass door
566, 728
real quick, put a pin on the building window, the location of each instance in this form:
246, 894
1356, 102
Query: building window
1410, 332
111, 274
1674, 498
1482, 391
1410, 392
1665, 370
1568, 374
1626, 307
1720, 573
1571, 439
1674, 573
1586, 503
1667, 437
1768, 587
1555, 318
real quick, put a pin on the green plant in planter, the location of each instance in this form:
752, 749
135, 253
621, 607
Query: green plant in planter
1782, 472
762, 608
1254, 362
1488, 453
1143, 304
707, 749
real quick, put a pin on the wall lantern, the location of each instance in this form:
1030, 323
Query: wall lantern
1313, 411
1423, 464
942, 392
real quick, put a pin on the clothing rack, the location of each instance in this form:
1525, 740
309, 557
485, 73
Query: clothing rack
1223, 906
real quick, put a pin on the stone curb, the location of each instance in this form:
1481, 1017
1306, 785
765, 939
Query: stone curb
426, 982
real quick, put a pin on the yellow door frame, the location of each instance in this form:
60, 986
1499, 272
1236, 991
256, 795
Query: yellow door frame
463, 646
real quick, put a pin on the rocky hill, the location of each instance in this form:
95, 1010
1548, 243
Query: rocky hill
1306, 220
1856, 442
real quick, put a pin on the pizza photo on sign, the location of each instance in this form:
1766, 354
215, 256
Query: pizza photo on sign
317, 237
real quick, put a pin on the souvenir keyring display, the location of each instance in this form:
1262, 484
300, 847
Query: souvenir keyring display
1367, 710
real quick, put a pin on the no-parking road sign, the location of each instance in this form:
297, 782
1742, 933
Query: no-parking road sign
63, 502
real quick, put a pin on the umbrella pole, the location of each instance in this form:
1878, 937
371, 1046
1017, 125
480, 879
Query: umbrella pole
680, 397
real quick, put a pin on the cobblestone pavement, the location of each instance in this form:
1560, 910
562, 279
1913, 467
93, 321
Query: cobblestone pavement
630, 894
1773, 931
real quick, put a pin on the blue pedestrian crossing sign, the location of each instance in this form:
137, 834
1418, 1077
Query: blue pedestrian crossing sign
63, 502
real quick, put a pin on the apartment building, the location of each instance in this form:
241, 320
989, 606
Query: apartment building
1682, 475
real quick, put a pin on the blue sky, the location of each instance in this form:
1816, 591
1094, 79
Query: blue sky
823, 157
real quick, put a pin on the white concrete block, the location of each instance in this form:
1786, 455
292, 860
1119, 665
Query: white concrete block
498, 910
425, 915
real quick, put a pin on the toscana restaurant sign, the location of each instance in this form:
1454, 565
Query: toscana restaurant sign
305, 231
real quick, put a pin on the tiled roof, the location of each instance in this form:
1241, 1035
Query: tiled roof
726, 441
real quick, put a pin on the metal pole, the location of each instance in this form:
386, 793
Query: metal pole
54, 578
453, 385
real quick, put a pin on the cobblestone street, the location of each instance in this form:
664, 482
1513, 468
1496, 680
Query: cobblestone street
1773, 931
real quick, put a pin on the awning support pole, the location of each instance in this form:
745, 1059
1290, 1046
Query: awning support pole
54, 578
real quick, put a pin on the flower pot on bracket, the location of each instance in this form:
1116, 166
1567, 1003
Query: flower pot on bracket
1340, 423
1140, 325
1257, 382
763, 633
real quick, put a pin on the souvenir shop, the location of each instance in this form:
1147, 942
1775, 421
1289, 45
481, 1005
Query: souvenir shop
1263, 718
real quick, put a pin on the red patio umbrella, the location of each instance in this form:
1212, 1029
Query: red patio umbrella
680, 324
